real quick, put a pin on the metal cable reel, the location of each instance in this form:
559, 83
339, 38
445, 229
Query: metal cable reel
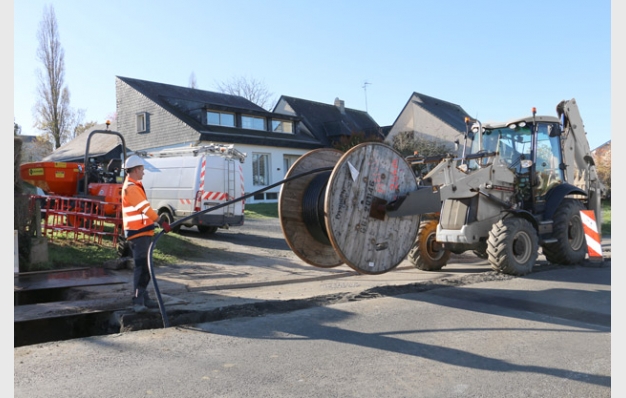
337, 217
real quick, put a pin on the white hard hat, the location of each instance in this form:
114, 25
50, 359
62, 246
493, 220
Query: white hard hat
133, 161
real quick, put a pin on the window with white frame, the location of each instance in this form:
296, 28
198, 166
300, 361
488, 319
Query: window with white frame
288, 161
141, 122
260, 169
252, 122
282, 126
220, 118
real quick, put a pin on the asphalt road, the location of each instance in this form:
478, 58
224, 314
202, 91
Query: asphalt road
544, 335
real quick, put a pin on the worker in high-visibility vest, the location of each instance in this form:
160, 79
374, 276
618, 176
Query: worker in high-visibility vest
139, 223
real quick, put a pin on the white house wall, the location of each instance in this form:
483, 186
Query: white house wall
277, 171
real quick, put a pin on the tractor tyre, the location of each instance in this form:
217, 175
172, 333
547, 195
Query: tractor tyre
426, 254
571, 245
512, 246
165, 215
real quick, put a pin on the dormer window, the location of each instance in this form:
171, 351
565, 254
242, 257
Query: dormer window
252, 122
282, 126
141, 122
220, 118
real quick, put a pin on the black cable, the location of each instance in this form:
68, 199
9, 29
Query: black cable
166, 322
313, 208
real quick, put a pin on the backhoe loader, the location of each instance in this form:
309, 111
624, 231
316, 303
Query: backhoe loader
518, 186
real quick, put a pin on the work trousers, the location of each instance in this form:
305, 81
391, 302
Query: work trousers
141, 277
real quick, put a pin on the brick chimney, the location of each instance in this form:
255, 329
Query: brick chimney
341, 105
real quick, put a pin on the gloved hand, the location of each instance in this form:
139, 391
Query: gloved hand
165, 226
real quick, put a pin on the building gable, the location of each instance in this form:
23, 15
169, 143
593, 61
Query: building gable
431, 118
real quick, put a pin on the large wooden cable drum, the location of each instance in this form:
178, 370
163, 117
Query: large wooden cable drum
367, 173
301, 207
337, 215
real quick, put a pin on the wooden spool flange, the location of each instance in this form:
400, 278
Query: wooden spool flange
369, 245
304, 240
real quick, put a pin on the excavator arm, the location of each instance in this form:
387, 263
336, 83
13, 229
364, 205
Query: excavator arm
580, 167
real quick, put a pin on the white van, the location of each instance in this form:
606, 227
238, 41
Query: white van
182, 182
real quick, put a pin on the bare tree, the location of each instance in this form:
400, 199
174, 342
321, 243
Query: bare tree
36, 150
82, 127
249, 88
346, 142
410, 143
603, 166
52, 111
192, 81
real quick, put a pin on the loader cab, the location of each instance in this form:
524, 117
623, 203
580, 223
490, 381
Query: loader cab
501, 144
529, 147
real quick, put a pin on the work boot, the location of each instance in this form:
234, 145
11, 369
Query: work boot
148, 302
139, 304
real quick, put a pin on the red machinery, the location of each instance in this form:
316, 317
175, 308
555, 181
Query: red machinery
69, 207
67, 179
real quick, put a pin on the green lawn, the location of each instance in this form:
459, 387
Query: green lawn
66, 253
262, 210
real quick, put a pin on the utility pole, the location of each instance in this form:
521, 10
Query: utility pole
365, 83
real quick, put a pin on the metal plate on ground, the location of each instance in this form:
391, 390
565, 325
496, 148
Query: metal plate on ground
302, 242
67, 278
366, 174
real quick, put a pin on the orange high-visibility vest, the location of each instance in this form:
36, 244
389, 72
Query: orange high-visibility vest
137, 214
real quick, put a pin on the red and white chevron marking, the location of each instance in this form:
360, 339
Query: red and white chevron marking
201, 188
594, 247
202, 172
243, 188
215, 196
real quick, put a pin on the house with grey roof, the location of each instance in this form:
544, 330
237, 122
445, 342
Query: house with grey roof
328, 123
430, 118
154, 116
102, 147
